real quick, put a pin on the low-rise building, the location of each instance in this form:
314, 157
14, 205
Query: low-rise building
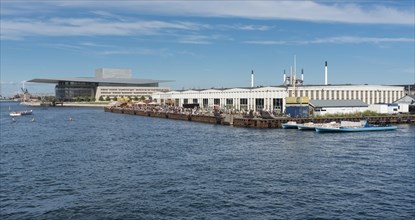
406, 104
323, 107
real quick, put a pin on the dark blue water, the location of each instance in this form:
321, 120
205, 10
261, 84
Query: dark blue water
113, 166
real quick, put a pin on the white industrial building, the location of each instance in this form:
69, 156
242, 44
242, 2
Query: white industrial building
273, 97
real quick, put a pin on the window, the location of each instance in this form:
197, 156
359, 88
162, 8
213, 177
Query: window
259, 104
194, 101
216, 101
205, 103
185, 101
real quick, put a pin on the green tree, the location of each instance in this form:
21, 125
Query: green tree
115, 98
101, 98
135, 98
142, 98
78, 99
108, 99
93, 99
86, 98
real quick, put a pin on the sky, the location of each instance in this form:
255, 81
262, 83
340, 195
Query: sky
205, 44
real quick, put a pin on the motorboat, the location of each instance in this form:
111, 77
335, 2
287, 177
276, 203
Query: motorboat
346, 126
20, 113
290, 125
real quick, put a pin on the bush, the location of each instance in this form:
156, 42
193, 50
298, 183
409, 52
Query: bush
100, 98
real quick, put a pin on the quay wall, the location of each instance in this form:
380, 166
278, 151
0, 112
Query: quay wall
265, 123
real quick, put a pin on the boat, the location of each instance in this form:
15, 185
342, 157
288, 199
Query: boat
346, 126
308, 126
313, 126
20, 113
290, 124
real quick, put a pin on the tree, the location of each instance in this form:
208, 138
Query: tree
86, 98
142, 98
115, 98
108, 99
135, 98
101, 98
93, 99
78, 99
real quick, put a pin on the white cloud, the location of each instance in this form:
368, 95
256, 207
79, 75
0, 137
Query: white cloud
266, 42
337, 40
20, 28
373, 13
358, 40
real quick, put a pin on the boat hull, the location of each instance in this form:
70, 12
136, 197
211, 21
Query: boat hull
302, 127
342, 129
290, 126
20, 113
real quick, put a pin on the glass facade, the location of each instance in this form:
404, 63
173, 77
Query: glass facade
70, 90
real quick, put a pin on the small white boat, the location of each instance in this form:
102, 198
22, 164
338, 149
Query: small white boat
290, 124
20, 113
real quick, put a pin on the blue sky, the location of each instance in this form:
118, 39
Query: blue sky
204, 44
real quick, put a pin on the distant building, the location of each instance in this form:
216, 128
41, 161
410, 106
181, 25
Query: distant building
106, 83
406, 104
384, 108
274, 97
323, 107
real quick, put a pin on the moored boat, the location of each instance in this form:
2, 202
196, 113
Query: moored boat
20, 113
290, 124
313, 126
355, 127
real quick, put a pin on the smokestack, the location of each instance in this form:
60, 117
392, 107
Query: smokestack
325, 74
291, 70
284, 77
302, 75
252, 78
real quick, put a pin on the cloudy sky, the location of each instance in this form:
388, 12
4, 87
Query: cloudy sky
204, 44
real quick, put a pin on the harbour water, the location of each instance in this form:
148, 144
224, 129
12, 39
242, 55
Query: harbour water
114, 166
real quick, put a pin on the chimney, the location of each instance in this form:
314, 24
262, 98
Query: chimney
302, 75
325, 74
284, 77
252, 79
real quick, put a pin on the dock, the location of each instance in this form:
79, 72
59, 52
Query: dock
260, 122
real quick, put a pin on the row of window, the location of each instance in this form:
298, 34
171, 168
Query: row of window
132, 90
230, 102
342, 94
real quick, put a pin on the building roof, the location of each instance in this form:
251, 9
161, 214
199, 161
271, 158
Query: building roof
131, 81
337, 103
408, 99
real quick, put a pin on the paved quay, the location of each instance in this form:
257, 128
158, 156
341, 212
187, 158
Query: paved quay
254, 122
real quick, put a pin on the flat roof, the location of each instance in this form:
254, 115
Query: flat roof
132, 81
338, 103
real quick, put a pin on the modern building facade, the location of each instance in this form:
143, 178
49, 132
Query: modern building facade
274, 97
106, 83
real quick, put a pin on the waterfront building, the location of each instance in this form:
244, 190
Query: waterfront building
323, 107
107, 82
274, 97
406, 104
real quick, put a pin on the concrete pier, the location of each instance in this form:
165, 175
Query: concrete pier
263, 123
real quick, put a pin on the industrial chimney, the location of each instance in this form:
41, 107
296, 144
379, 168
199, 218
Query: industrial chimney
252, 79
284, 77
302, 75
325, 74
